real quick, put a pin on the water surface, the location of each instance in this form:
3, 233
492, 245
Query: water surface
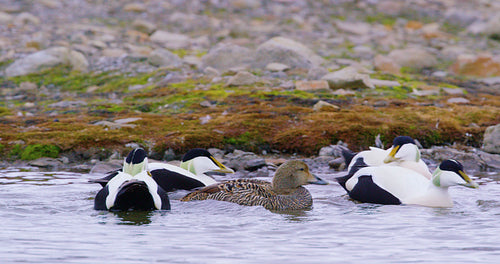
48, 217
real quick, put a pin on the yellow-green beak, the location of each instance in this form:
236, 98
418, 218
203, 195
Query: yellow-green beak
469, 182
391, 157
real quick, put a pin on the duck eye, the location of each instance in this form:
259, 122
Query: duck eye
301, 169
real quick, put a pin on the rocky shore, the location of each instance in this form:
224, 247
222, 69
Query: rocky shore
83, 82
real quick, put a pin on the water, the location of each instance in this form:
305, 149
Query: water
49, 218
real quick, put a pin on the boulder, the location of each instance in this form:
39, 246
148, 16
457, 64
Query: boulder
483, 65
491, 139
415, 58
346, 78
47, 59
286, 51
385, 64
171, 40
226, 56
164, 58
242, 78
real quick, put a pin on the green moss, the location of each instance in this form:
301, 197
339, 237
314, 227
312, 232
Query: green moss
36, 151
4, 111
381, 18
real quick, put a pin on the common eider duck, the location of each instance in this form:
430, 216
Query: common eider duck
403, 153
133, 188
285, 192
398, 185
190, 175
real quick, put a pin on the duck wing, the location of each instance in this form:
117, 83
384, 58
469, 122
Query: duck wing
103, 181
240, 191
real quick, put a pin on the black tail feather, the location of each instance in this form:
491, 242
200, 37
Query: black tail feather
348, 155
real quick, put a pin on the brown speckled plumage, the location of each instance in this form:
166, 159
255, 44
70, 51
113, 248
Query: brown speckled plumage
284, 193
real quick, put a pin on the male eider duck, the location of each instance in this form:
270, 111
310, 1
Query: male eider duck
403, 153
285, 192
191, 173
133, 188
398, 185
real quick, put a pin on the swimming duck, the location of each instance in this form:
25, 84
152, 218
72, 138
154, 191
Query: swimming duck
403, 153
191, 173
285, 192
133, 188
398, 185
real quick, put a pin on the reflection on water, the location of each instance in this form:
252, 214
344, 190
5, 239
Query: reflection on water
49, 218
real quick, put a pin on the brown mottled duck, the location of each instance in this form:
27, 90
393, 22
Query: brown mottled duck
285, 192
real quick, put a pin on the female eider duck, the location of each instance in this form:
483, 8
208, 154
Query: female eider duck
133, 188
398, 185
191, 173
285, 192
403, 152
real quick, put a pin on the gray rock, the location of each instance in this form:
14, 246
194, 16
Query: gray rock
26, 18
5, 18
240, 160
105, 167
348, 78
286, 51
490, 80
164, 58
143, 26
458, 100
171, 40
45, 162
277, 67
226, 56
325, 106
471, 159
491, 139
47, 59
315, 73
68, 104
242, 78
415, 58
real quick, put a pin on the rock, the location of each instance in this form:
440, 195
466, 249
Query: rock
285, 51
6, 18
491, 139
347, 78
68, 104
226, 56
171, 40
46, 59
384, 83
45, 162
315, 73
451, 53
453, 91
242, 78
277, 67
105, 167
332, 150
357, 28
164, 58
414, 58
192, 61
240, 160
127, 120
458, 100
26, 18
490, 81
471, 159
483, 65
114, 53
325, 106
113, 125
135, 7
143, 26
311, 85
489, 27
386, 64
337, 164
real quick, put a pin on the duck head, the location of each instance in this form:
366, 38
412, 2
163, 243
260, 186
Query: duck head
403, 149
135, 162
451, 172
199, 161
293, 174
